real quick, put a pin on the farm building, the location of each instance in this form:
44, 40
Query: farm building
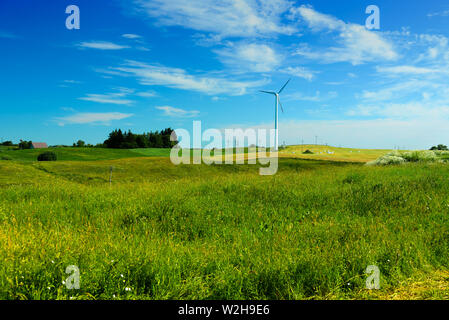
39, 145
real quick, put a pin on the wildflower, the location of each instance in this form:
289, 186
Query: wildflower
127, 289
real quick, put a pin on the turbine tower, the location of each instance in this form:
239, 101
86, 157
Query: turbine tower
277, 103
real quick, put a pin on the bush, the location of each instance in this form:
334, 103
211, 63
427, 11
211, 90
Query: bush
5, 158
307, 152
387, 160
415, 156
397, 157
47, 156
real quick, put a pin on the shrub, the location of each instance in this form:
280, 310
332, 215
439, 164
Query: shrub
387, 160
415, 156
47, 156
397, 157
441, 153
307, 152
5, 158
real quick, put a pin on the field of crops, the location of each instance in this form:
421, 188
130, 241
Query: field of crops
161, 231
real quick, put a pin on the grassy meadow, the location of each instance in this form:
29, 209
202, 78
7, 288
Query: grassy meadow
161, 231
81, 154
332, 153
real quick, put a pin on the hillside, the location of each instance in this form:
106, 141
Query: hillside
221, 232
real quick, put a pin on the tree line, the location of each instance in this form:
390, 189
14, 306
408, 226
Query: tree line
118, 140
128, 140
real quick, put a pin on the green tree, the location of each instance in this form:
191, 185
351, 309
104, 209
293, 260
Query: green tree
441, 147
25, 145
80, 144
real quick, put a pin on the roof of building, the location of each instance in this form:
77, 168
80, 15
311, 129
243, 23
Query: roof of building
39, 145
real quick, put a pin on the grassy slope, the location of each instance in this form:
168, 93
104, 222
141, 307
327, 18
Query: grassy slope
91, 154
84, 154
219, 231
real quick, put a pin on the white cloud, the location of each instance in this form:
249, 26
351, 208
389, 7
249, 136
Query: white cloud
298, 96
92, 118
300, 72
227, 18
178, 113
147, 94
111, 98
444, 13
72, 81
131, 36
436, 48
357, 44
142, 48
317, 97
406, 70
254, 57
396, 90
179, 79
102, 45
106, 98
412, 110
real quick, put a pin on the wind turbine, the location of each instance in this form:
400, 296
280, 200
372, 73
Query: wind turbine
276, 112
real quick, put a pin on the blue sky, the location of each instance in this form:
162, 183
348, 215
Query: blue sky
146, 65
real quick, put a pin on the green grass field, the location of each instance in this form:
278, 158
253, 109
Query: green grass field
83, 154
223, 231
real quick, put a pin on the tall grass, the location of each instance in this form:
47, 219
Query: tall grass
218, 232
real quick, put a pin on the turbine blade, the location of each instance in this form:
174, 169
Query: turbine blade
282, 89
269, 92
280, 104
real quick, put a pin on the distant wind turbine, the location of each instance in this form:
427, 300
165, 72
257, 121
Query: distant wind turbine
276, 104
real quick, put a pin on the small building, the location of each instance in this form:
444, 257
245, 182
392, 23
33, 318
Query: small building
39, 145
